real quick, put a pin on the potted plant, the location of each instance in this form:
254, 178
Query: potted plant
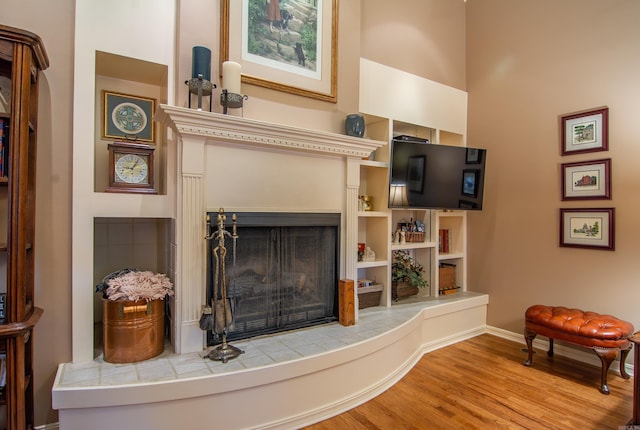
133, 314
406, 275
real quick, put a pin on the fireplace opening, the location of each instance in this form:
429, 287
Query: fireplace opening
282, 275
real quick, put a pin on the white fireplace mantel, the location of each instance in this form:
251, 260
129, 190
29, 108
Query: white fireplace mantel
196, 132
233, 129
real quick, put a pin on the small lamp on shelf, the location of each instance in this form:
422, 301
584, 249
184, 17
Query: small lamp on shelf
398, 196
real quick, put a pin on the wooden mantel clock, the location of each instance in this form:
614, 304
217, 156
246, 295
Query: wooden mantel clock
131, 168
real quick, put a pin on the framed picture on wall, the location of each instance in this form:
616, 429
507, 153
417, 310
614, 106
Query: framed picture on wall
128, 117
587, 228
585, 131
304, 65
587, 180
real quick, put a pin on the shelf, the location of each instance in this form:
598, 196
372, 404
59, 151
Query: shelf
367, 264
450, 256
444, 214
372, 163
19, 328
412, 245
373, 214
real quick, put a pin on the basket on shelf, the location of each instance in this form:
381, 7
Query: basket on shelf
447, 279
369, 296
414, 236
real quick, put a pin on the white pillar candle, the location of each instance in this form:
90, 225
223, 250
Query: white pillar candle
231, 77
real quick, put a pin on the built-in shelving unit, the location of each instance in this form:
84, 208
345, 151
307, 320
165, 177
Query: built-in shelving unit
442, 120
22, 57
107, 228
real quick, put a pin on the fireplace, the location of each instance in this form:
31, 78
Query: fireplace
250, 166
282, 273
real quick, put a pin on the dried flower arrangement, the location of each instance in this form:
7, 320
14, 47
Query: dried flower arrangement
134, 285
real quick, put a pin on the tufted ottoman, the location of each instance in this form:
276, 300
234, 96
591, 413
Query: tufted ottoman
605, 334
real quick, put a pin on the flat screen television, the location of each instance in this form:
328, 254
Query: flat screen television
428, 176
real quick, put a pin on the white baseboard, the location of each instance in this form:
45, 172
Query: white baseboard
52, 426
583, 354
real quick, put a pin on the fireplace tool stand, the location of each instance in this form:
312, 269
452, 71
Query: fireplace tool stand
221, 310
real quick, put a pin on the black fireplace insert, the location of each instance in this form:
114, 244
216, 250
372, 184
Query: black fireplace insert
281, 272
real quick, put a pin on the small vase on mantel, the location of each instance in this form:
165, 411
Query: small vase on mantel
400, 290
354, 125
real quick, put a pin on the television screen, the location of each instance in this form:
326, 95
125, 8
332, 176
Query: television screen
427, 176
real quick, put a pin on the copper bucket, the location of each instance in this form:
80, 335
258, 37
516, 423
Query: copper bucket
133, 331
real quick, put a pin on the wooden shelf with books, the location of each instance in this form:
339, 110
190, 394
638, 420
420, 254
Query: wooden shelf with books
22, 57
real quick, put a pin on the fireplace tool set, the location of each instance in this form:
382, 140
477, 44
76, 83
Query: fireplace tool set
218, 317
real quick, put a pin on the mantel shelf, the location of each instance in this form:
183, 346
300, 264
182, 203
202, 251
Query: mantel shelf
232, 129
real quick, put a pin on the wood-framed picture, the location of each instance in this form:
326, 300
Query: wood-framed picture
588, 228
289, 47
128, 117
586, 131
587, 180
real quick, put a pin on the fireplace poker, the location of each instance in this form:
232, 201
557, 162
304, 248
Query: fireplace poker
222, 311
206, 319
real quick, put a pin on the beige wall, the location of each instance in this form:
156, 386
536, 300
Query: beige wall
422, 37
528, 62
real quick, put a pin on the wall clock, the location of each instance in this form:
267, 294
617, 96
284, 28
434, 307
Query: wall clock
130, 168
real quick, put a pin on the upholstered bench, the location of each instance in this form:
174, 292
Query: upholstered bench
605, 334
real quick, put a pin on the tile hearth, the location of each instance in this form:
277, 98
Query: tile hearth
258, 352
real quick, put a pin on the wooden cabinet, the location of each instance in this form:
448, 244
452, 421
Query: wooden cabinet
22, 57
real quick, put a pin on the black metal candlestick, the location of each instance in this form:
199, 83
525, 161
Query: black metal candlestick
200, 87
231, 100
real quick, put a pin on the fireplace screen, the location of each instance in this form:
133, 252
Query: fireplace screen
283, 274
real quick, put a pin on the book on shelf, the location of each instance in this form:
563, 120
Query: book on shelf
3, 372
444, 240
4, 145
2, 139
3, 299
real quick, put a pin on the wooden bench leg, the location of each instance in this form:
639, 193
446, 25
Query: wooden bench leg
550, 351
606, 355
529, 335
623, 358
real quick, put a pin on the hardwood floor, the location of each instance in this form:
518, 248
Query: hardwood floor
481, 383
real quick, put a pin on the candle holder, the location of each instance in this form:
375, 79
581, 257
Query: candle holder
200, 87
231, 100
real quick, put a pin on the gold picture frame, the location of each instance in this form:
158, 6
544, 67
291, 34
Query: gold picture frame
128, 117
306, 74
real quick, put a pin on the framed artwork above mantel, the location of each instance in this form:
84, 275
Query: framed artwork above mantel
283, 49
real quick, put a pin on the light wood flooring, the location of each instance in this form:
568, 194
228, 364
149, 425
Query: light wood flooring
481, 383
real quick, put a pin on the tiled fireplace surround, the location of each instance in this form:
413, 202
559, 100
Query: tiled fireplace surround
252, 166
